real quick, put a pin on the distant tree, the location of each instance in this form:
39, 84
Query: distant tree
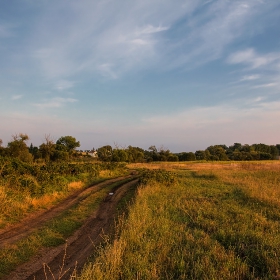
105, 153
119, 155
2, 149
217, 152
261, 148
172, 157
200, 155
152, 154
68, 143
191, 156
187, 156
18, 148
274, 152
265, 156
207, 155
278, 147
59, 155
236, 147
164, 154
35, 152
47, 148
135, 154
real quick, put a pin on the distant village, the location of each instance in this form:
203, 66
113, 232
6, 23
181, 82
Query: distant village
92, 153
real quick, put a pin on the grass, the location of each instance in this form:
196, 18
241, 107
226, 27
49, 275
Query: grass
220, 221
15, 205
54, 232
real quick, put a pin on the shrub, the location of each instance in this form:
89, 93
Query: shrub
159, 175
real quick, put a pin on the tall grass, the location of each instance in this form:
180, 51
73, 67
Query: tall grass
54, 232
213, 224
17, 200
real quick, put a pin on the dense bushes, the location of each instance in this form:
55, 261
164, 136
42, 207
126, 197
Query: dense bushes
159, 175
38, 179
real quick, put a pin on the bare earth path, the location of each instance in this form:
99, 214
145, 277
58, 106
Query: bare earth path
79, 246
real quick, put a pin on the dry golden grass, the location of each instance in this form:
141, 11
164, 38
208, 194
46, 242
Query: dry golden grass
76, 185
14, 206
45, 201
220, 222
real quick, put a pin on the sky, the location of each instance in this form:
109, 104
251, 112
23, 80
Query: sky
181, 75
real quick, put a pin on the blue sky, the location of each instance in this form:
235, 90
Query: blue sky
181, 74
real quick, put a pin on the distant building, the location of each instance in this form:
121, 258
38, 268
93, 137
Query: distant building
92, 153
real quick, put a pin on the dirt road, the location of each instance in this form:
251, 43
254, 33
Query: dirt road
60, 262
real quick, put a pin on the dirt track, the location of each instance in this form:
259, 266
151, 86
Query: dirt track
79, 246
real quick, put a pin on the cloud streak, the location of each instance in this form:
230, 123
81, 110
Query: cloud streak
55, 102
254, 60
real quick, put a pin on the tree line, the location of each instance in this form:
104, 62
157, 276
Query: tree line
65, 148
61, 150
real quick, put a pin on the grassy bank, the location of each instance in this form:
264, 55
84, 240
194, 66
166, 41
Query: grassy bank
215, 222
27, 188
54, 232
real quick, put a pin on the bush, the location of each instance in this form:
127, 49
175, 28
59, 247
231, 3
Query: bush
161, 176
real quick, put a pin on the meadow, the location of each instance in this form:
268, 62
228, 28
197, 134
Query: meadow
197, 221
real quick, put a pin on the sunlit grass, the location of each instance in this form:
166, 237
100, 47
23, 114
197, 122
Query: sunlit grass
54, 232
219, 222
15, 204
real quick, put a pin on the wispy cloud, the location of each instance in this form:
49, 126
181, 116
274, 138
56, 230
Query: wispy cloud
249, 78
124, 42
254, 60
55, 102
208, 34
266, 85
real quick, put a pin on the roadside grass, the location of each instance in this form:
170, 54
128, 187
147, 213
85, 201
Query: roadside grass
54, 232
17, 204
215, 223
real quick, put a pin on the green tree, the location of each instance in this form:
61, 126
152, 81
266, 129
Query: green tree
217, 152
47, 148
59, 155
152, 154
187, 156
18, 148
35, 152
274, 152
119, 155
135, 154
200, 155
278, 148
3, 151
105, 153
68, 143
172, 157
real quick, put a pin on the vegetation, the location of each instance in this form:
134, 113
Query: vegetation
215, 222
24, 187
193, 217
64, 149
54, 232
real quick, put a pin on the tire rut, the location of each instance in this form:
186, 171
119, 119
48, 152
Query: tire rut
20, 230
60, 262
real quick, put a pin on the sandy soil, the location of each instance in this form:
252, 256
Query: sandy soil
61, 261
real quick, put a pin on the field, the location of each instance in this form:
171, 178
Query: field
216, 221
187, 220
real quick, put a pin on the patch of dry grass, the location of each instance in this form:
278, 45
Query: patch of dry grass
221, 222
16, 205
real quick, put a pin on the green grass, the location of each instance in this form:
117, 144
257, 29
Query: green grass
211, 224
54, 232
